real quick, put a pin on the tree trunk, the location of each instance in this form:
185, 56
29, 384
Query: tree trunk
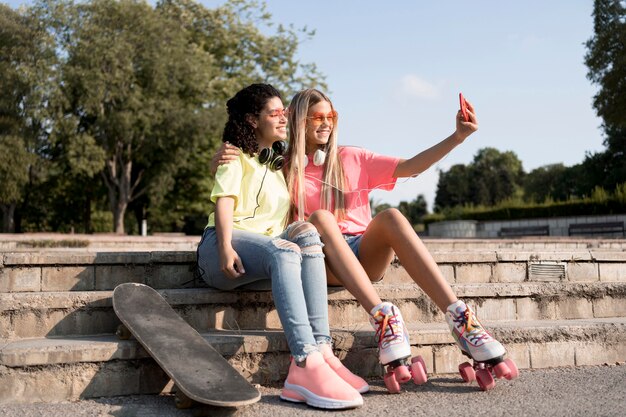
118, 217
8, 224
117, 178
139, 211
17, 218
87, 214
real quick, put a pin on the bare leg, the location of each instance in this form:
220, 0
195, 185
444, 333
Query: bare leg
391, 232
343, 266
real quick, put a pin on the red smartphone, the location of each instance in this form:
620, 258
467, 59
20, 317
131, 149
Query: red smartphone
463, 105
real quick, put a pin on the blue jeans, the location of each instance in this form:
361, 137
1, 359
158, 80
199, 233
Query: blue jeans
295, 271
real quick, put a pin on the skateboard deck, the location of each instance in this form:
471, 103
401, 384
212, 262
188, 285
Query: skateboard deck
197, 369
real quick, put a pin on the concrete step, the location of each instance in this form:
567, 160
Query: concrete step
526, 243
97, 242
61, 369
101, 271
85, 271
173, 241
24, 315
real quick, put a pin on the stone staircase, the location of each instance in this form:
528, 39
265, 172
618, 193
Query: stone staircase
551, 302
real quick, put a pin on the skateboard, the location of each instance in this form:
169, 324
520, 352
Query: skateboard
200, 373
485, 372
400, 371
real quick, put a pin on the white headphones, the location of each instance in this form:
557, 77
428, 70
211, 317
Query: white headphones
319, 157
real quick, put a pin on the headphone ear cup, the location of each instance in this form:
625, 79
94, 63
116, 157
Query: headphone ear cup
265, 155
277, 163
273, 156
319, 157
279, 147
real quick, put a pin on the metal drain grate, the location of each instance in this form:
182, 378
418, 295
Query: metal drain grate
546, 271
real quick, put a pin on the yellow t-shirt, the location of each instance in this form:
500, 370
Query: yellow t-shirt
242, 180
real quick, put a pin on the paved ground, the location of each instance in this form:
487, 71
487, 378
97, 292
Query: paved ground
586, 391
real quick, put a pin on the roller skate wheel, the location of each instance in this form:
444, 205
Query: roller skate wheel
402, 374
485, 380
420, 360
467, 372
419, 372
513, 368
393, 386
502, 370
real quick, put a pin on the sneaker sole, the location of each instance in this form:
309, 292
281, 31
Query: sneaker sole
291, 396
365, 388
299, 394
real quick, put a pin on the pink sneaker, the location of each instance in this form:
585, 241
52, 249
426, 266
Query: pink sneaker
335, 364
318, 385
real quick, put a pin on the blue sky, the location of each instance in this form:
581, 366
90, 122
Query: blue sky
395, 69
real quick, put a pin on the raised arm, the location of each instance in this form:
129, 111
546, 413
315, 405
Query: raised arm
425, 159
230, 261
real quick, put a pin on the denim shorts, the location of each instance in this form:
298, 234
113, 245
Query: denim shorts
354, 241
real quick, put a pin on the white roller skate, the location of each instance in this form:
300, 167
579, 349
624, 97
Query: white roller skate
394, 348
476, 343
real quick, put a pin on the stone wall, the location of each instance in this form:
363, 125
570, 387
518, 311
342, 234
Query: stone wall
490, 229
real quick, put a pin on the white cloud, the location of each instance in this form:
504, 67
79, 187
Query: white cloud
413, 86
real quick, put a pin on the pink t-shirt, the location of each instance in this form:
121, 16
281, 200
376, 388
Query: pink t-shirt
364, 171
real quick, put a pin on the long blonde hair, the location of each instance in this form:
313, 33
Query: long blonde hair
332, 195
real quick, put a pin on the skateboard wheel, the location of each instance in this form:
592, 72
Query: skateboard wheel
485, 380
122, 332
393, 386
182, 401
513, 368
402, 374
467, 372
419, 372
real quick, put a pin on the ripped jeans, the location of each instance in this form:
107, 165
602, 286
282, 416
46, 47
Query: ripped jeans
293, 264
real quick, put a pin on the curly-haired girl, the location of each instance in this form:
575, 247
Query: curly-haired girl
246, 245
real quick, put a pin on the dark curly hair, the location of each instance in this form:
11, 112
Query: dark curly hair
248, 101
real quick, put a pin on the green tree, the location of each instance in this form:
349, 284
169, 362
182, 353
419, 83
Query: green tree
494, 176
606, 61
236, 36
26, 62
414, 210
134, 96
143, 96
453, 187
240, 38
14, 160
545, 182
